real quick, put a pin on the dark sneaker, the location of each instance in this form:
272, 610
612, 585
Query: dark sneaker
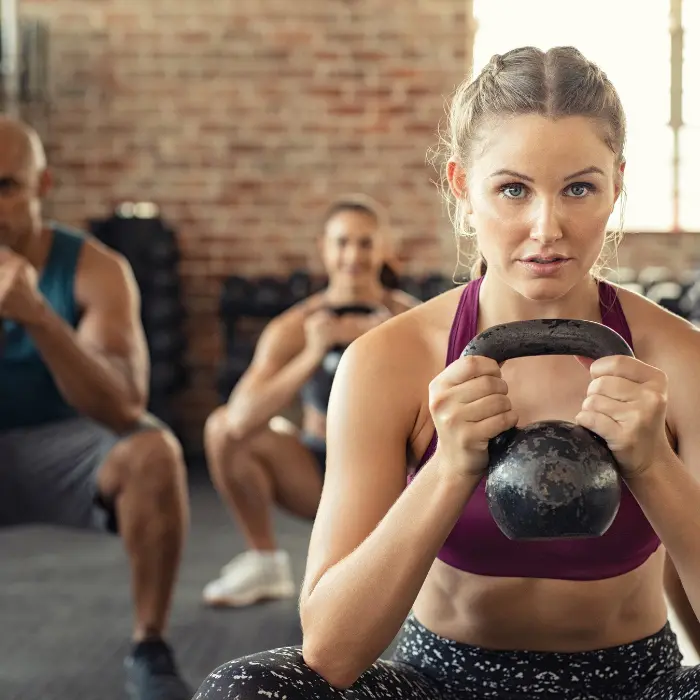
151, 673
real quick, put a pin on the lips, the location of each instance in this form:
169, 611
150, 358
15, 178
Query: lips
544, 259
541, 266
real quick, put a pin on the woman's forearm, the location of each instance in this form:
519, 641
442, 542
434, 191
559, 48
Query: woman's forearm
669, 495
253, 408
675, 592
357, 607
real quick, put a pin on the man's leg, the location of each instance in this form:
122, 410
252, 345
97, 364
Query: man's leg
143, 480
252, 475
76, 473
144, 477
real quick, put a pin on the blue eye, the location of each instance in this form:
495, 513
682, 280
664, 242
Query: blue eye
580, 189
513, 191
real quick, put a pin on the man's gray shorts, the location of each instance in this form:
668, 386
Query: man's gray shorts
48, 473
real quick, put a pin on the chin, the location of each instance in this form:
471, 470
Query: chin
357, 279
545, 289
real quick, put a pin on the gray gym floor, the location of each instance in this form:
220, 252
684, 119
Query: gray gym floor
65, 611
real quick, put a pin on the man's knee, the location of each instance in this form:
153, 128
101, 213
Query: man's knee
152, 459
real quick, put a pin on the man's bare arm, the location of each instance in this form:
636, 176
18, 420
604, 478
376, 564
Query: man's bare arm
102, 367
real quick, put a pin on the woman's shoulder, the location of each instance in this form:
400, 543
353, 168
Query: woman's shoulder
400, 357
414, 336
289, 325
660, 337
297, 312
399, 301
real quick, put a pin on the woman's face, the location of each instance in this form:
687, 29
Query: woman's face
539, 194
353, 248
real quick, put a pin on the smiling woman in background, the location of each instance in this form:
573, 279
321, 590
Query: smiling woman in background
257, 458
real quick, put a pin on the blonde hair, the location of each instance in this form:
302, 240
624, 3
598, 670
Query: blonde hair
557, 83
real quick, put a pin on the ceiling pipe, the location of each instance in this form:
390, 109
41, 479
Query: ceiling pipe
9, 35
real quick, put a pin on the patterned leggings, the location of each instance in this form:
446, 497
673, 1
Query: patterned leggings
429, 667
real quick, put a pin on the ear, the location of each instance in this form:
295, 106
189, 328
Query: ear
620, 179
457, 178
45, 182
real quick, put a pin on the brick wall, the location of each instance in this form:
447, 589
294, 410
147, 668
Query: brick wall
677, 251
242, 118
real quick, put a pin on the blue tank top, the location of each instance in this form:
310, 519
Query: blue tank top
28, 394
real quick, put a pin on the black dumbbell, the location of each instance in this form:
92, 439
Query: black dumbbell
164, 253
690, 303
434, 285
163, 378
168, 345
668, 295
271, 297
168, 378
299, 285
162, 313
236, 297
411, 286
165, 282
653, 274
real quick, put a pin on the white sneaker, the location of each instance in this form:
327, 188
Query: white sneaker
251, 577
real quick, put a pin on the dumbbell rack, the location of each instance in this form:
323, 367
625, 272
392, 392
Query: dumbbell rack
150, 246
247, 304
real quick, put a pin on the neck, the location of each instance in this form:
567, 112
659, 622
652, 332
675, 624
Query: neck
502, 304
348, 292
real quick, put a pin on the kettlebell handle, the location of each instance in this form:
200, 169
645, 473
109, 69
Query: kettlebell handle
545, 336
359, 309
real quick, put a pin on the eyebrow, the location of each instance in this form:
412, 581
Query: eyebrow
512, 173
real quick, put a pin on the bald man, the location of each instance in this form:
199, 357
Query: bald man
78, 448
256, 458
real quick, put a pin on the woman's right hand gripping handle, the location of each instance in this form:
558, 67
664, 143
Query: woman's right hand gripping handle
374, 540
469, 405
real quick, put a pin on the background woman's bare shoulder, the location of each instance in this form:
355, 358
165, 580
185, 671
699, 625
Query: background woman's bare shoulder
288, 327
399, 358
399, 301
416, 339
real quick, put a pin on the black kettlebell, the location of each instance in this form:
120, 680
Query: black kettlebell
317, 390
551, 479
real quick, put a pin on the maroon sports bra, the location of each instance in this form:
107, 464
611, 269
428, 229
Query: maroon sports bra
476, 545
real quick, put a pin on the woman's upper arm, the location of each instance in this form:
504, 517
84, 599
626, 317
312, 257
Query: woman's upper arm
281, 340
372, 411
682, 346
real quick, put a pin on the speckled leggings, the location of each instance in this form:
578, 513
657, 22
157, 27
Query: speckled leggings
428, 667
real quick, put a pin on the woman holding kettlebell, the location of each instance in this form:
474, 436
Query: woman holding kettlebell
534, 166
256, 457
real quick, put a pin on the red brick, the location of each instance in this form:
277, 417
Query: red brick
243, 119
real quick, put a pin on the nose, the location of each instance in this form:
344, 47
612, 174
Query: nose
353, 254
546, 228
